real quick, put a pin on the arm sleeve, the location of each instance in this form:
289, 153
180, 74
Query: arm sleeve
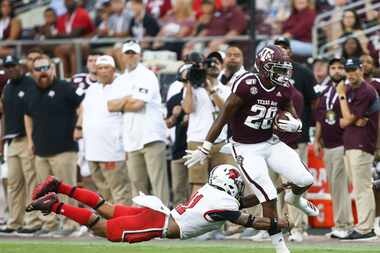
74, 95
224, 215
145, 89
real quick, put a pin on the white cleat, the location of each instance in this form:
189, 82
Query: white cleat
296, 236
303, 204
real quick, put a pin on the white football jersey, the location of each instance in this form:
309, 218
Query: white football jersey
193, 217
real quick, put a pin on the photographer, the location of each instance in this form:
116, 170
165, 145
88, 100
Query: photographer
204, 97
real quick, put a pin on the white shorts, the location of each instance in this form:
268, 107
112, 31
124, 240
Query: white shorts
255, 159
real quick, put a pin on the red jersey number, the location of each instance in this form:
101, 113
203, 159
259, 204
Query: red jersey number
181, 208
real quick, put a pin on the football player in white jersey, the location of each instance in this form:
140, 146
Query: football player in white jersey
216, 202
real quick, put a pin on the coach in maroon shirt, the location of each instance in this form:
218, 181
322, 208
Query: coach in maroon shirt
329, 135
359, 100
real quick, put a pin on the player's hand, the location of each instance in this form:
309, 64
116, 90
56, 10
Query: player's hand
291, 124
193, 157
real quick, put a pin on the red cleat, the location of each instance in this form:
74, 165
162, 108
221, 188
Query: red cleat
50, 184
43, 204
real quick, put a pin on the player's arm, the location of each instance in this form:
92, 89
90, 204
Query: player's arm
232, 104
192, 157
248, 220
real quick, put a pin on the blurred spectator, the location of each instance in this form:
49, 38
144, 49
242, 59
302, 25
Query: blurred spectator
207, 12
104, 148
20, 161
49, 28
83, 81
177, 119
229, 21
203, 101
351, 26
142, 24
10, 26
357, 101
31, 55
136, 93
232, 66
158, 8
368, 66
329, 137
49, 121
179, 23
298, 27
320, 72
198, 9
117, 25
352, 48
75, 23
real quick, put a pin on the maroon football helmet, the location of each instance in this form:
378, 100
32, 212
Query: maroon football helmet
273, 65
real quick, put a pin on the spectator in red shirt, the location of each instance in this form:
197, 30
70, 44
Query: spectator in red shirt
10, 26
74, 24
298, 27
197, 7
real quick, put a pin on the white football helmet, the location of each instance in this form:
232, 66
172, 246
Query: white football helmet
227, 178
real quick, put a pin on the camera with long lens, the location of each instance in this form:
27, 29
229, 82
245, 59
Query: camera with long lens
197, 73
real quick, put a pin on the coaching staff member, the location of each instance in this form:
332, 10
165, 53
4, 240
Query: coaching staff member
50, 121
21, 171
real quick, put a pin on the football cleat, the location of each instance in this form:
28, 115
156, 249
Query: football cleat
303, 204
50, 184
43, 204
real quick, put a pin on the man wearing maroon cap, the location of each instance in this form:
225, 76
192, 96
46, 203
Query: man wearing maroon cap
360, 100
329, 135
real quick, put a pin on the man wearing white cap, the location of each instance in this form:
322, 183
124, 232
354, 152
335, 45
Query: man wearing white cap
104, 147
136, 93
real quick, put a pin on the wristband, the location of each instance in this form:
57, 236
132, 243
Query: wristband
207, 145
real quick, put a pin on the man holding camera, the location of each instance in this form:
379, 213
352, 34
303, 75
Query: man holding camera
204, 96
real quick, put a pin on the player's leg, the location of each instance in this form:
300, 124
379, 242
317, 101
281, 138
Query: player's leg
254, 167
286, 162
85, 196
50, 203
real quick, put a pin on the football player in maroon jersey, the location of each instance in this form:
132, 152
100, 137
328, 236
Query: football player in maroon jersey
250, 111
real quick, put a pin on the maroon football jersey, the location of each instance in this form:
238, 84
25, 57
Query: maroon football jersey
292, 139
252, 123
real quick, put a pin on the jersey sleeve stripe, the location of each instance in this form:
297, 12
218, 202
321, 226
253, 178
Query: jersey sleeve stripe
237, 81
249, 178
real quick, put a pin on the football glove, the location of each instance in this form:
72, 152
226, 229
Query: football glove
198, 155
291, 124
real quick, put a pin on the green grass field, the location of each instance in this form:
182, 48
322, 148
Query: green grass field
96, 246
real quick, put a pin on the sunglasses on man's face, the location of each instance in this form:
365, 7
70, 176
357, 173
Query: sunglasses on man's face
43, 68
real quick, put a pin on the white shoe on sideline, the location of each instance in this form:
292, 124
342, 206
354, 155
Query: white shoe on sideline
303, 204
296, 236
261, 236
337, 233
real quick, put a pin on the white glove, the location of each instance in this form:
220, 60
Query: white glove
199, 155
291, 125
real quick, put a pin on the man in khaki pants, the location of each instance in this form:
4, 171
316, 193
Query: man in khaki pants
137, 93
358, 101
21, 170
329, 135
102, 136
49, 121
203, 101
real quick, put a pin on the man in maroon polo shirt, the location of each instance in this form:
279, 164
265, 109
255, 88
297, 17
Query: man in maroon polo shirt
329, 136
359, 100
